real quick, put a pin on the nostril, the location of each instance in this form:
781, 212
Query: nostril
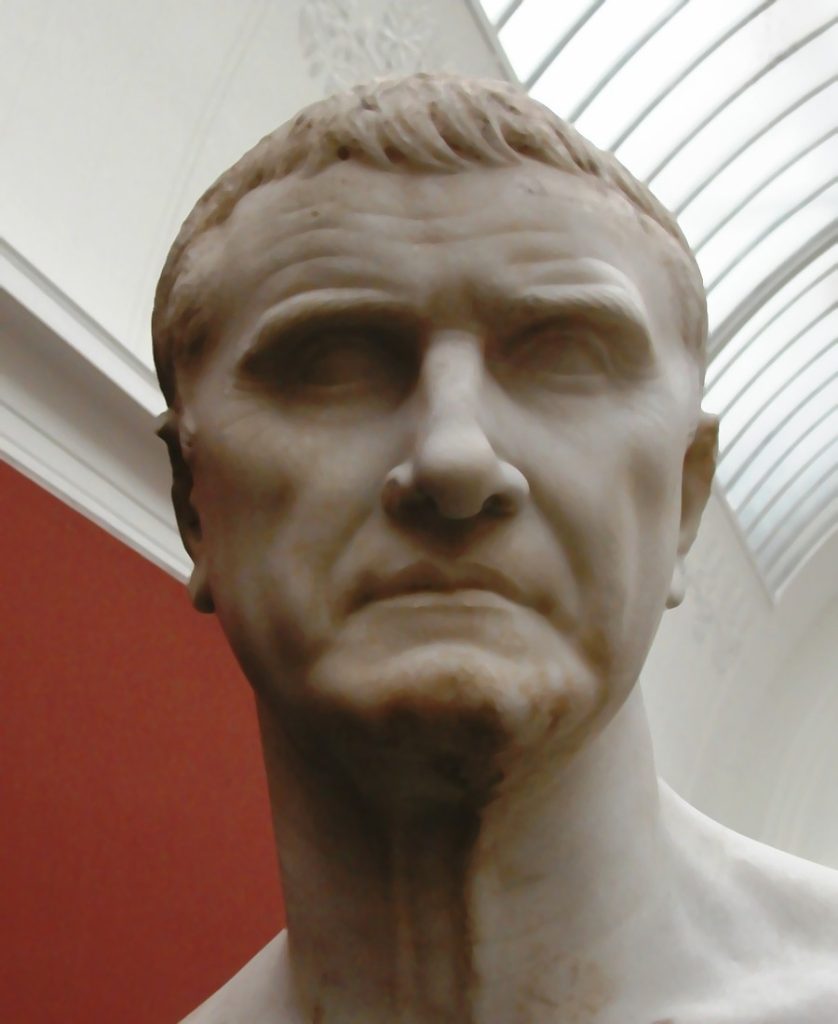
391, 493
400, 494
497, 505
455, 485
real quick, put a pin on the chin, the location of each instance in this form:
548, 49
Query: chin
520, 695
437, 724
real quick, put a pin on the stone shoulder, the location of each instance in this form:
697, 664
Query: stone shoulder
771, 916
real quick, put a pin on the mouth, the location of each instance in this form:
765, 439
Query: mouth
429, 580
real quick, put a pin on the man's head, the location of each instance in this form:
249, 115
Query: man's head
434, 368
421, 123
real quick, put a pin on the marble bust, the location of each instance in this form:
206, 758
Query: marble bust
433, 365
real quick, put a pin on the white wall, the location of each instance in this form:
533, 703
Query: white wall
116, 115
801, 712
742, 698
699, 651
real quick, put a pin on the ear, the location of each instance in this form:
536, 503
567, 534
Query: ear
175, 431
696, 481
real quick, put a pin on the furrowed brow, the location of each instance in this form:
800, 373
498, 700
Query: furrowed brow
612, 304
324, 306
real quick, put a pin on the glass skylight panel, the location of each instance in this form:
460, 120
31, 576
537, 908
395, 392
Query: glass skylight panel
741, 58
755, 265
736, 456
746, 425
822, 268
700, 146
787, 476
809, 427
598, 45
768, 145
799, 498
534, 29
820, 206
781, 368
752, 136
648, 76
791, 515
819, 168
749, 357
762, 411
790, 135
767, 371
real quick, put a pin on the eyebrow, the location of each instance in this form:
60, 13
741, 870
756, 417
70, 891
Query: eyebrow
613, 301
501, 308
324, 305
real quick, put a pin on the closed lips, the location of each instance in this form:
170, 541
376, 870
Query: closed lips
426, 576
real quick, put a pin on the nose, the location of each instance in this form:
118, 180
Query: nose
452, 465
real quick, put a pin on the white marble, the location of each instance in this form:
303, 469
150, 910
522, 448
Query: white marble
434, 367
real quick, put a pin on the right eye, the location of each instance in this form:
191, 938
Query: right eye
558, 354
340, 360
337, 364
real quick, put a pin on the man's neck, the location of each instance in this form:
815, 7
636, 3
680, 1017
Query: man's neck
547, 899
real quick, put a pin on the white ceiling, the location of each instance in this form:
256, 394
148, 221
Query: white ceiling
116, 115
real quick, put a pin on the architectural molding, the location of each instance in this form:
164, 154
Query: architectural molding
77, 413
344, 44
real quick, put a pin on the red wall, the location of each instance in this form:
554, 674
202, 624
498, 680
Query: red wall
136, 865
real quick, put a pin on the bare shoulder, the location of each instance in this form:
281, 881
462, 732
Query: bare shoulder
257, 994
771, 917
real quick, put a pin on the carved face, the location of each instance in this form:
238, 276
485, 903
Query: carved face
439, 443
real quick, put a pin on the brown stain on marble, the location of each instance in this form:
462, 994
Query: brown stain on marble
564, 987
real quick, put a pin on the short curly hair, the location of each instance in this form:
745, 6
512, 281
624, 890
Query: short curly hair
429, 122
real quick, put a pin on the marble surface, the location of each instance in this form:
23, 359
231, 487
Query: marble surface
434, 372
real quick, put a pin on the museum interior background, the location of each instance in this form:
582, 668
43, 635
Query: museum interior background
125, 893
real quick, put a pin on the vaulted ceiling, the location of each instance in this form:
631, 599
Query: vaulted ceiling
728, 109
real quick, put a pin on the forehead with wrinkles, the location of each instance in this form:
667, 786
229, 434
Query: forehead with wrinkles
352, 226
439, 124
491, 234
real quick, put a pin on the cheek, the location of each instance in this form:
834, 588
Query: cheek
634, 550
279, 509
613, 498
258, 468
653, 473
653, 481
241, 493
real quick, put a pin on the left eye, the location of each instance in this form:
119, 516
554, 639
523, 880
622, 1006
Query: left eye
347, 365
339, 359
564, 351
